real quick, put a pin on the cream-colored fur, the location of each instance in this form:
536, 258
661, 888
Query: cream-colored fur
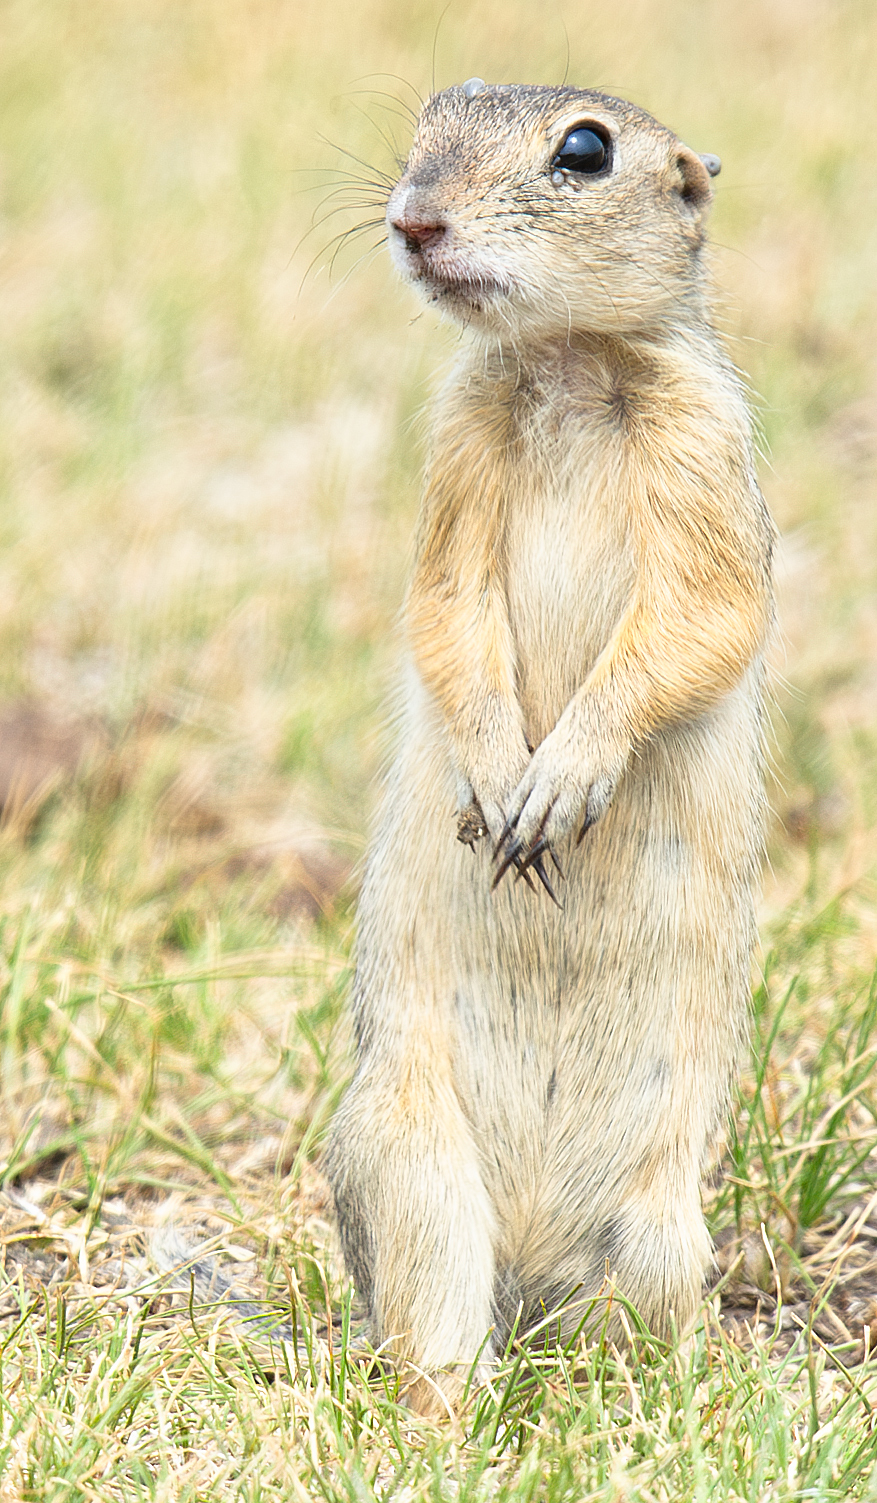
538, 1086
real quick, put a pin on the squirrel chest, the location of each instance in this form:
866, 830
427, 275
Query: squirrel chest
568, 553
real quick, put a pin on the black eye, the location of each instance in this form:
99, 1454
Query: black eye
584, 150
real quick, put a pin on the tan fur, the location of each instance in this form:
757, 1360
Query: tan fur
537, 1088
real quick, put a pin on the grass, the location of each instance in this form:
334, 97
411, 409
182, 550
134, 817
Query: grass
210, 449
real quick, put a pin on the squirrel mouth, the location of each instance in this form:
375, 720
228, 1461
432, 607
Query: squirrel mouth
474, 289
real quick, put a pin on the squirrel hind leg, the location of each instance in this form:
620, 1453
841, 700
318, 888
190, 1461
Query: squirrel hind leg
653, 1257
659, 1265
418, 1229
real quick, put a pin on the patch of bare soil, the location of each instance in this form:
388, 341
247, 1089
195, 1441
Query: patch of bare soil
825, 1297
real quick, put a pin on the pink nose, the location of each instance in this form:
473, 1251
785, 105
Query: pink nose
419, 233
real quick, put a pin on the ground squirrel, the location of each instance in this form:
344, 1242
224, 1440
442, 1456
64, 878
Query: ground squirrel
541, 1074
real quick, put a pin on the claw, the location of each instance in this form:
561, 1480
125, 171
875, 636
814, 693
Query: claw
522, 864
535, 852
532, 860
586, 825
542, 874
545, 818
542, 848
510, 859
504, 834
511, 825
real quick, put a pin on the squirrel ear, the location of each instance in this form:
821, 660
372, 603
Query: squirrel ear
694, 177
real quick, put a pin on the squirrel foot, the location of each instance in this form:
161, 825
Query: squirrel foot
523, 861
571, 780
472, 827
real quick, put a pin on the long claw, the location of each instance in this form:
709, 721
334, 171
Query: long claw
542, 874
510, 859
586, 825
546, 816
535, 852
504, 834
533, 860
542, 848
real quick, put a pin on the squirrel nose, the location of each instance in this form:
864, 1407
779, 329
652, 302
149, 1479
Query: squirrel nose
419, 233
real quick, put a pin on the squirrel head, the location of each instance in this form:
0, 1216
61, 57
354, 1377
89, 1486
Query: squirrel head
530, 212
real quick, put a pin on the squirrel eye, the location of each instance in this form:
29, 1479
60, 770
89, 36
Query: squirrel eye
584, 150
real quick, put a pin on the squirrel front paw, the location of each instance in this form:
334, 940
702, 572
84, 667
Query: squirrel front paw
472, 826
484, 791
566, 785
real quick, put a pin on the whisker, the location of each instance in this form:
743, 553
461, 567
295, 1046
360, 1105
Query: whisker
566, 65
397, 78
358, 262
391, 145
339, 241
402, 111
325, 219
357, 193
354, 180
353, 234
317, 224
385, 177
342, 172
348, 205
438, 27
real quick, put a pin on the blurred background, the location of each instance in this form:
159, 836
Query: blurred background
211, 437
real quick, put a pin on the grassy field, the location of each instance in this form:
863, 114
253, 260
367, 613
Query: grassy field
210, 442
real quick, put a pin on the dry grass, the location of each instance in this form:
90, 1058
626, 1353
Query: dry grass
209, 459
